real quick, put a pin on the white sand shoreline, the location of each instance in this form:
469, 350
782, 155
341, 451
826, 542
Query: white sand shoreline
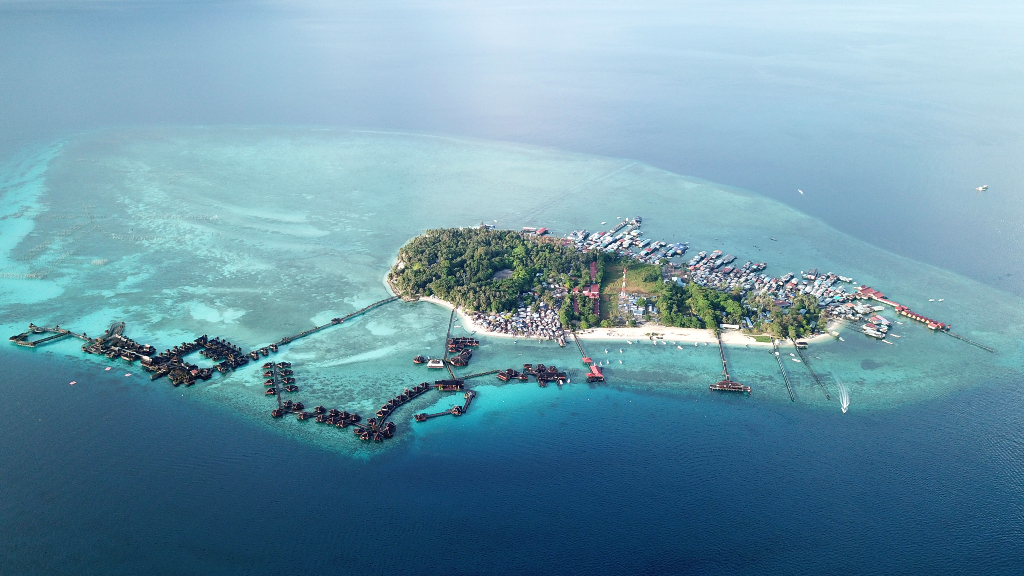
639, 333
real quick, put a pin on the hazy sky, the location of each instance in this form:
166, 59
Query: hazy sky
887, 115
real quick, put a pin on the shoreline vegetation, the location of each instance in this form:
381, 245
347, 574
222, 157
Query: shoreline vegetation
510, 284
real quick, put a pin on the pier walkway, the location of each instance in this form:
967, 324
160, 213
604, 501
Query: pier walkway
727, 384
811, 370
778, 357
479, 374
448, 335
56, 333
334, 321
971, 342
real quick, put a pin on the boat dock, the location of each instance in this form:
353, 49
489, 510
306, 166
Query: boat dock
778, 358
726, 385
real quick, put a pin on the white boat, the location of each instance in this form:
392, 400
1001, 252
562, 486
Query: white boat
794, 359
680, 347
841, 339
982, 188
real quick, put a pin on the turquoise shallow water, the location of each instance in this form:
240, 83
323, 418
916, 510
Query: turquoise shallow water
255, 233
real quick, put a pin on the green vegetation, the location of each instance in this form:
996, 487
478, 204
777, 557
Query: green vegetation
694, 306
800, 319
499, 270
459, 265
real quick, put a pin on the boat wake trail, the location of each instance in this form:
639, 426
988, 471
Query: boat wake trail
844, 395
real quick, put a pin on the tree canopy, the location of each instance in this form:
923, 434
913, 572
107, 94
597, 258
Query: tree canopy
459, 265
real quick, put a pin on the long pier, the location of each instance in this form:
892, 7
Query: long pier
785, 376
578, 345
727, 384
803, 359
478, 374
333, 322
447, 335
971, 342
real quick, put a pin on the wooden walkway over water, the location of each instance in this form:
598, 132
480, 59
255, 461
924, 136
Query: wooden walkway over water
334, 321
778, 357
803, 359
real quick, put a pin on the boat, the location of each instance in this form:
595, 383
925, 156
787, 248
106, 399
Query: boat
435, 363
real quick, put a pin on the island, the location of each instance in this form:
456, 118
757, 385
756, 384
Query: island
531, 285
528, 284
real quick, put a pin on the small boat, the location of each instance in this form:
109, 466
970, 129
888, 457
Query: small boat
931, 299
895, 335
680, 347
841, 339
941, 299
795, 359
620, 361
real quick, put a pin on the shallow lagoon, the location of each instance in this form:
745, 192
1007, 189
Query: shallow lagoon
255, 233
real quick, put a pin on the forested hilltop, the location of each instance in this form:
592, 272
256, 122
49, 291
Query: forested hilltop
485, 270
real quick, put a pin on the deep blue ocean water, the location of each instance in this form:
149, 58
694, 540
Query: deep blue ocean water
115, 478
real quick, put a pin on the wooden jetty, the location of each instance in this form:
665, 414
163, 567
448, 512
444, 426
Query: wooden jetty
447, 336
803, 359
727, 384
55, 333
971, 342
479, 374
785, 376
333, 322
454, 410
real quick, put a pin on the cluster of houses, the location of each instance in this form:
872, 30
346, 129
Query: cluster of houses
523, 322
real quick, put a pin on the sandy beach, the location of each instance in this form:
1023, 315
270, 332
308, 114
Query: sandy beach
638, 334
